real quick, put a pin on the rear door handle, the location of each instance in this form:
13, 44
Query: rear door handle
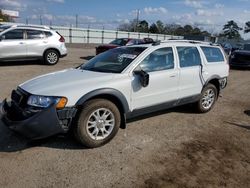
21, 42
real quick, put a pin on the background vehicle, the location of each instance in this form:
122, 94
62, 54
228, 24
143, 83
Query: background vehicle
241, 58
96, 98
122, 42
23, 42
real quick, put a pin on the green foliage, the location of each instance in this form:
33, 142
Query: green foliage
143, 27
5, 18
247, 27
161, 28
153, 28
231, 30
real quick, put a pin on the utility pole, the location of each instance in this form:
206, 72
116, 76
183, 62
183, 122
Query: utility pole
137, 19
41, 21
76, 20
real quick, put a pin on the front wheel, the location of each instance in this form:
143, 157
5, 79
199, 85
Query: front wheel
208, 97
51, 57
98, 123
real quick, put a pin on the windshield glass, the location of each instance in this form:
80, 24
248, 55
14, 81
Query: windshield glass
3, 27
120, 42
113, 61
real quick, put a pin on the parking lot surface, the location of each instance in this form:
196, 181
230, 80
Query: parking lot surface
172, 148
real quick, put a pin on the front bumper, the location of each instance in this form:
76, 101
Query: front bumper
36, 125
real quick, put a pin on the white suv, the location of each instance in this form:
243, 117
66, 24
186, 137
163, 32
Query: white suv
96, 98
22, 42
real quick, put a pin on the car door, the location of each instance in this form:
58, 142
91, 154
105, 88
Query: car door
190, 83
163, 79
12, 44
36, 42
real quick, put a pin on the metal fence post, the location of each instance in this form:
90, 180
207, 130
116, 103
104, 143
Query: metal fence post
102, 35
128, 35
88, 35
70, 35
139, 35
116, 34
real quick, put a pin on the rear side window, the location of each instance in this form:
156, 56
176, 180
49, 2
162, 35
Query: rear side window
213, 54
15, 34
35, 34
188, 56
48, 34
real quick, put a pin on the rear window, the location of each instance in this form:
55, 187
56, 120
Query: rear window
212, 54
188, 56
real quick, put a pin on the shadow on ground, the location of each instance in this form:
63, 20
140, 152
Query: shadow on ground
87, 57
20, 63
12, 142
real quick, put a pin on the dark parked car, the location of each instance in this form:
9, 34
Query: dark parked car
122, 42
241, 58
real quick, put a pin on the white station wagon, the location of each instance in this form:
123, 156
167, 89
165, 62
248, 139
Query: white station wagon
96, 98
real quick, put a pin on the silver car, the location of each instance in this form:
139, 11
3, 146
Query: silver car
22, 42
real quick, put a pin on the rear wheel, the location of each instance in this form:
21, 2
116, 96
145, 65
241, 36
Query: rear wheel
98, 123
51, 57
208, 97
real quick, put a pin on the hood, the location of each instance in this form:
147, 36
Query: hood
63, 83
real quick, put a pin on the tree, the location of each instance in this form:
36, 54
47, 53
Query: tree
231, 30
247, 27
160, 27
153, 28
5, 18
188, 29
143, 26
171, 28
131, 26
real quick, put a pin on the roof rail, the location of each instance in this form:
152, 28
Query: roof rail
34, 26
187, 41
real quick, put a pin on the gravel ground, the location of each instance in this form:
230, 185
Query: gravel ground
173, 148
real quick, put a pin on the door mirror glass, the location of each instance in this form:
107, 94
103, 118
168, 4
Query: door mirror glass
143, 77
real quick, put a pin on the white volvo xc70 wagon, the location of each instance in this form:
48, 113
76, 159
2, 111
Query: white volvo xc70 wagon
96, 98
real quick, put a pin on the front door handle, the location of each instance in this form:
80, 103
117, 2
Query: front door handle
21, 42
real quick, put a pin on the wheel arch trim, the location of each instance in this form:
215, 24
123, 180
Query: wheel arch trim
108, 92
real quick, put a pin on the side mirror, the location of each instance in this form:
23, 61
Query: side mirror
143, 76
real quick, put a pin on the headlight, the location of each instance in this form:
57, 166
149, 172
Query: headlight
44, 101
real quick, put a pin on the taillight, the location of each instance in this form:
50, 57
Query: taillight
62, 39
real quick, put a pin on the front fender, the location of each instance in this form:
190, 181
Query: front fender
105, 91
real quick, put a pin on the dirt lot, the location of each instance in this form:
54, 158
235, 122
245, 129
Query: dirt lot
174, 148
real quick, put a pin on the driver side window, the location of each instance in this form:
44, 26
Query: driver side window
16, 34
161, 59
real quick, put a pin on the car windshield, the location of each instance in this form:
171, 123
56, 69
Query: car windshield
120, 42
4, 27
113, 61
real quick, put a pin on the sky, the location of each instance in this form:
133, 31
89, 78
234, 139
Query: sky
209, 15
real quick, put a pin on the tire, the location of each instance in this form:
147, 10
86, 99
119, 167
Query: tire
90, 127
51, 57
208, 98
